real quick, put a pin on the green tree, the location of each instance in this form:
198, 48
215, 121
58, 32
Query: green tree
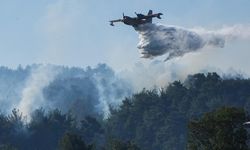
7, 147
219, 130
119, 145
73, 142
47, 129
92, 131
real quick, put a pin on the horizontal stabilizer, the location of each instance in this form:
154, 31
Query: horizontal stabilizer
159, 15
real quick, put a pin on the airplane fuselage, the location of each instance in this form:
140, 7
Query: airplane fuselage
133, 21
136, 21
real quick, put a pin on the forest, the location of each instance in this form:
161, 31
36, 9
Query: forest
206, 111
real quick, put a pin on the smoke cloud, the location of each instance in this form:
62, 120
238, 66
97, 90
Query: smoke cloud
94, 91
112, 90
156, 40
229, 33
32, 93
83, 92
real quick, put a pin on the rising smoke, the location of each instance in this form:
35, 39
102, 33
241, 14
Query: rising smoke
93, 91
83, 92
156, 40
32, 94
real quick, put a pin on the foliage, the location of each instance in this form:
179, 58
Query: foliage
46, 129
118, 145
152, 119
73, 142
159, 119
219, 130
92, 131
7, 147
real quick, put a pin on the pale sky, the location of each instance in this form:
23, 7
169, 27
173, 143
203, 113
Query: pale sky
77, 32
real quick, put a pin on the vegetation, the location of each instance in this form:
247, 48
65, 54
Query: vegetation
118, 145
159, 119
73, 142
219, 130
151, 119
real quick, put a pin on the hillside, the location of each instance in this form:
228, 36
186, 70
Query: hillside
151, 119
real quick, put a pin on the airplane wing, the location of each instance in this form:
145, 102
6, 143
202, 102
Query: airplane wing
113, 21
140, 16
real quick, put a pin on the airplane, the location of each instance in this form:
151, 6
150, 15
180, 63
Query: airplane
136, 21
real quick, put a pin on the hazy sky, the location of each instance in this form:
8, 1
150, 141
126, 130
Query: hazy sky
77, 32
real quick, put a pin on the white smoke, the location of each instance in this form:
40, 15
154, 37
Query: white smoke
229, 33
156, 40
103, 104
111, 91
32, 94
82, 92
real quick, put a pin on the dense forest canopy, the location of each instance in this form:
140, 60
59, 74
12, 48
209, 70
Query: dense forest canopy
150, 119
219, 130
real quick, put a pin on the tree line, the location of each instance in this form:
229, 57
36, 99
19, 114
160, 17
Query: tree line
203, 112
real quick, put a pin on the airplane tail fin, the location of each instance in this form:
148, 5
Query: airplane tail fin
159, 15
150, 12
